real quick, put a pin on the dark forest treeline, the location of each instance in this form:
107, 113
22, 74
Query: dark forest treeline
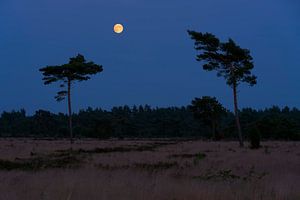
144, 121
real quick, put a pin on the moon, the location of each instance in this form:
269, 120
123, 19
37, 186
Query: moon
118, 28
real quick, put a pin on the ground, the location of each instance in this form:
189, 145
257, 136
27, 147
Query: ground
148, 169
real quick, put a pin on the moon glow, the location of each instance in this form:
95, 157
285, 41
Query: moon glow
118, 28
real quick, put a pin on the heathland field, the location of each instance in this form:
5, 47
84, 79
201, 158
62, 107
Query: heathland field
148, 169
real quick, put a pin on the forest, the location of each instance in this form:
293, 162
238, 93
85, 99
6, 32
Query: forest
272, 123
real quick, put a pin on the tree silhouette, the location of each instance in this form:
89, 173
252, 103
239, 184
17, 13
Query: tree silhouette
76, 70
209, 111
229, 60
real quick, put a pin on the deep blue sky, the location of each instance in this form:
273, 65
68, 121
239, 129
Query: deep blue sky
153, 61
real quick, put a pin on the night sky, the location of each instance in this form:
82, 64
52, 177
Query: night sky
153, 60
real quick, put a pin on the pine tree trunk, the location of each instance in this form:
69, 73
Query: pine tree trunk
70, 112
236, 113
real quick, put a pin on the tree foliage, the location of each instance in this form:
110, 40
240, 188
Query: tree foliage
226, 58
78, 69
145, 122
209, 111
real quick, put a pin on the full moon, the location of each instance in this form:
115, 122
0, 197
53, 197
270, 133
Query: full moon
118, 28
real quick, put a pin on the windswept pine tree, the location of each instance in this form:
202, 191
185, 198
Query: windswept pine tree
229, 61
78, 69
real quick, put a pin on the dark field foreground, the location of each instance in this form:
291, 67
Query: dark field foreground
148, 169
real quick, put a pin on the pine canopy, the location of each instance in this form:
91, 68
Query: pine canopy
229, 60
78, 69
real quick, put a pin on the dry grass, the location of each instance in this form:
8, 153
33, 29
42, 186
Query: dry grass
144, 170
